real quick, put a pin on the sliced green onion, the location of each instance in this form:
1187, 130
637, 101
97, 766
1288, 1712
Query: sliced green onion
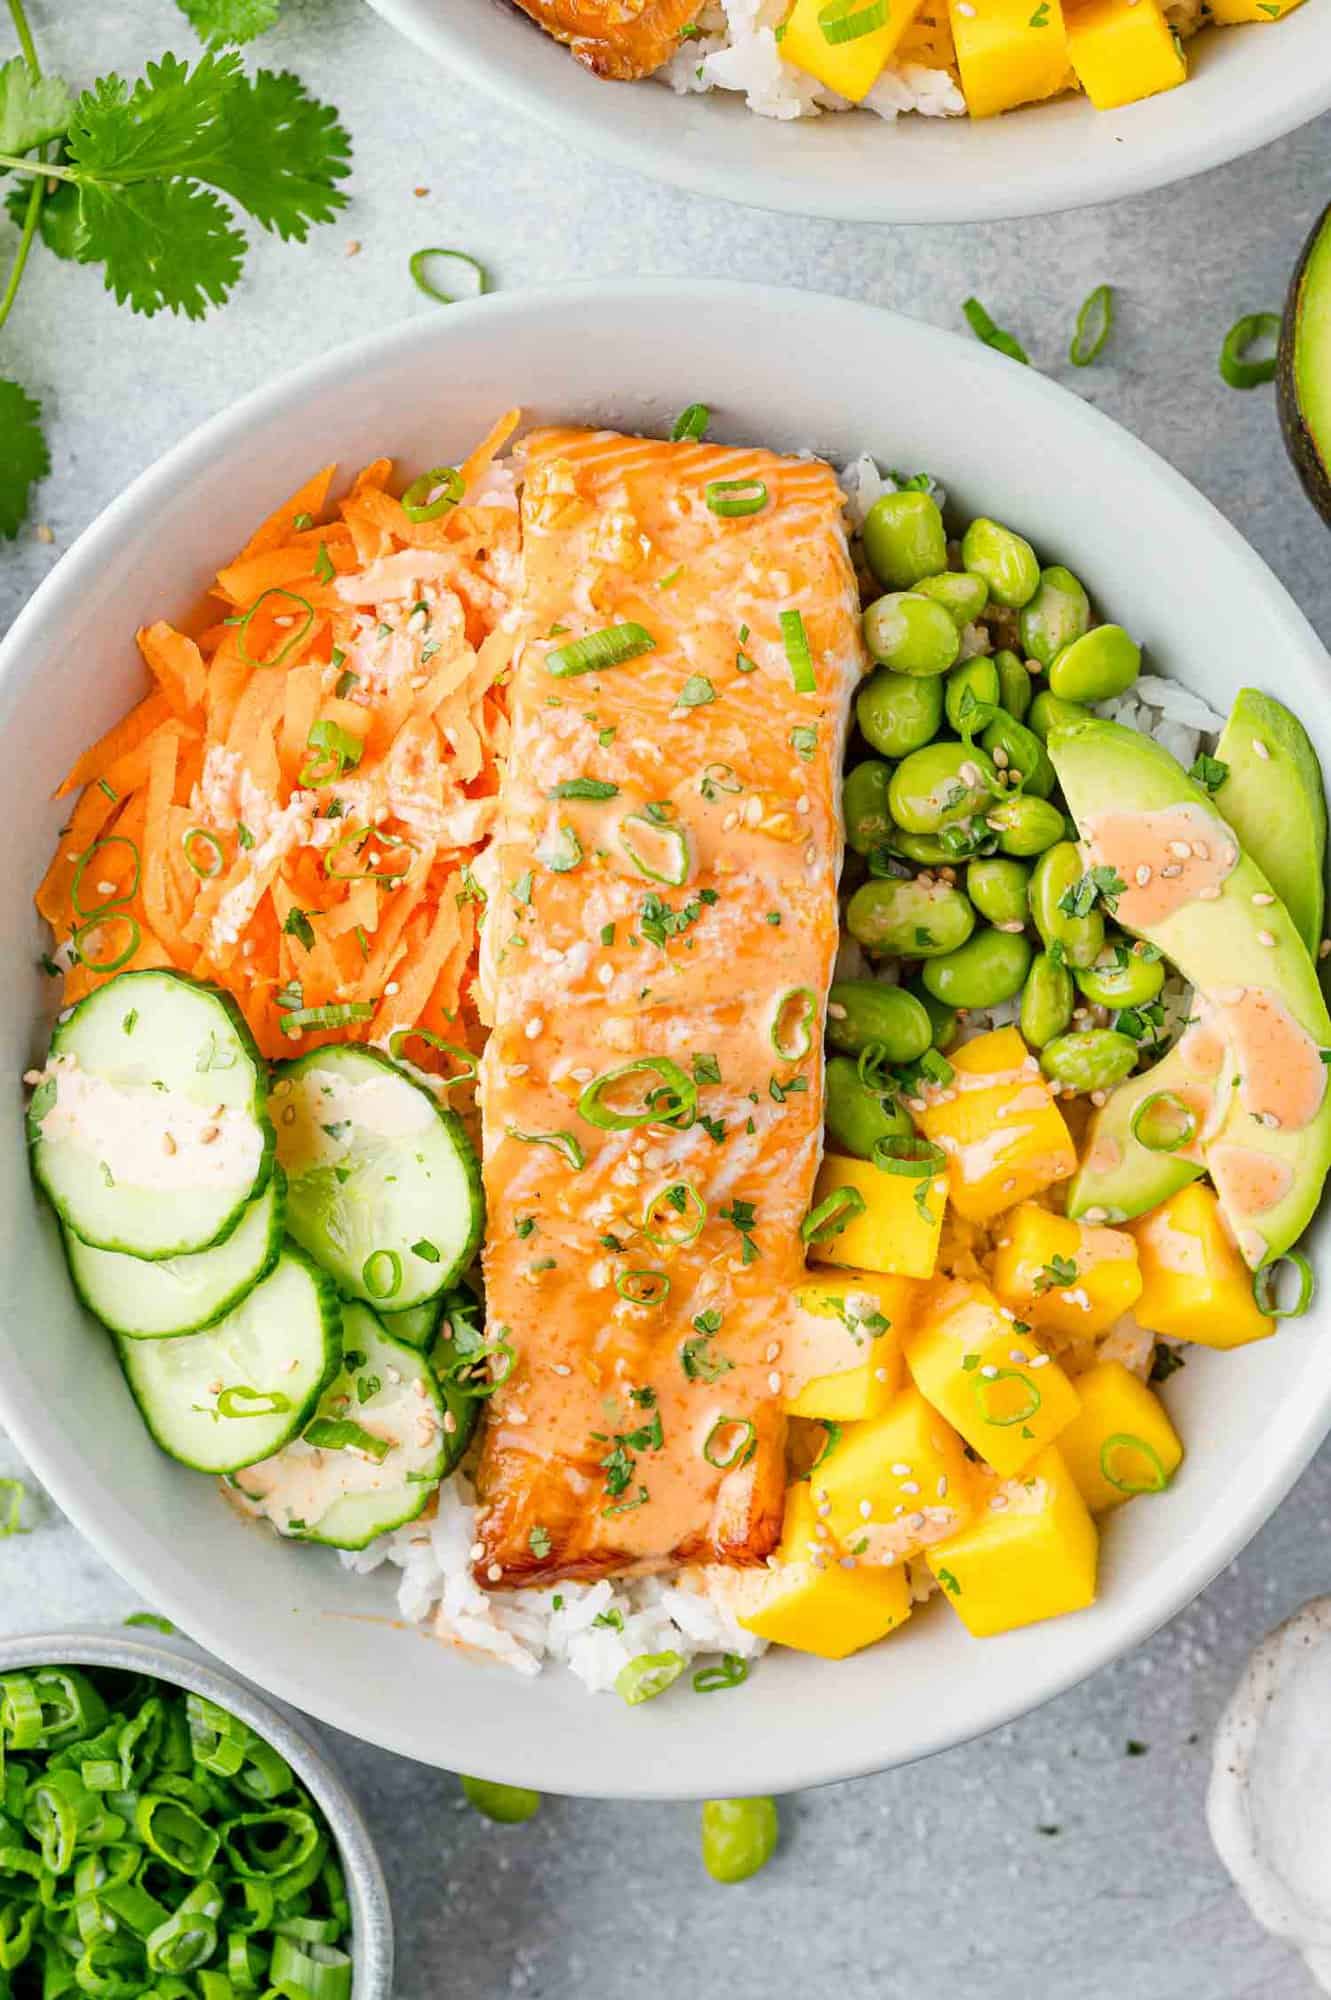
682, 1200
121, 895
463, 1373
874, 1070
336, 750
175, 1835
99, 923
12, 1495
832, 1215
660, 852
914, 1157
1156, 1478
288, 646
740, 1452
719, 778
610, 647
674, 1102
381, 1274
647, 1676
1245, 334
213, 847
466, 1061
1265, 1285
984, 328
643, 1288
691, 424
435, 493
340, 1434
732, 1673
583, 788
831, 1439
312, 1971
564, 1143
850, 20
358, 837
238, 1401
1095, 323
983, 1386
565, 853
1163, 1122
473, 275
794, 1019
257, 1855
339, 1014
798, 657
731, 498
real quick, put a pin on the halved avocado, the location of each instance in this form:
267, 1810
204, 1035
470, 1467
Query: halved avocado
1304, 370
1274, 801
1222, 943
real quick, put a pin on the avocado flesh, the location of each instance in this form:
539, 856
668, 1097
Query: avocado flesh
1304, 369
1275, 803
1102, 768
1129, 1178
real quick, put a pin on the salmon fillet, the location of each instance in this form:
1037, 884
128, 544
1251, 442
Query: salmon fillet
641, 1424
619, 39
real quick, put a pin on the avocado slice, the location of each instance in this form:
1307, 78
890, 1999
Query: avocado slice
1274, 801
1108, 772
1118, 1174
1303, 371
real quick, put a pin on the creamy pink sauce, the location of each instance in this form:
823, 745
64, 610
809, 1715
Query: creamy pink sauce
1282, 1078
1165, 859
1249, 1183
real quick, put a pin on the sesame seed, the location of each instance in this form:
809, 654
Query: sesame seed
476, 1551
352, 249
1210, 894
901, 1472
821, 1532
774, 1383
605, 973
1039, 1361
1143, 874
450, 1422
1181, 848
494, 1572
1017, 1354
880, 1374
772, 1351
866, 1510
561, 1368
989, 1371
941, 1488
1260, 749
999, 1502
1171, 871
1262, 899
910, 1485
392, 987
1099, 1098
1266, 937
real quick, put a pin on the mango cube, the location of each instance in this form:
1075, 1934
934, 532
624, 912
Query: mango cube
894, 1484
1230, 12
807, 1598
996, 1386
928, 39
842, 1357
1030, 1553
850, 67
997, 1122
1009, 52
1101, 1278
898, 1228
1195, 1285
1121, 1441
1122, 50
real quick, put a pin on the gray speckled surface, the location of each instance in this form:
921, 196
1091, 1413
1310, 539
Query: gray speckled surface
931, 1881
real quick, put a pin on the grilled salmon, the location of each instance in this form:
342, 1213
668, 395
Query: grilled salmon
620, 39
658, 945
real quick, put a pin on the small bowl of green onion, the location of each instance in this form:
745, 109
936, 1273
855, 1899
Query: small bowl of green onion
166, 1831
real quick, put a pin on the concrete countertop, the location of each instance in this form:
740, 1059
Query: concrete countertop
1051, 1859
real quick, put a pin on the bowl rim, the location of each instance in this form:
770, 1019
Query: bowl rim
1080, 183
802, 1762
173, 1659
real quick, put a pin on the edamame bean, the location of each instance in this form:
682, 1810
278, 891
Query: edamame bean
1014, 683
1048, 712
1005, 561
921, 848
1024, 826
739, 1837
912, 919
1059, 612
864, 805
865, 1012
942, 1019
988, 969
1097, 666
911, 634
506, 1805
964, 595
971, 695
1013, 747
1095, 1059
998, 889
1046, 1000
1056, 873
904, 539
1122, 976
897, 714
857, 1116
939, 785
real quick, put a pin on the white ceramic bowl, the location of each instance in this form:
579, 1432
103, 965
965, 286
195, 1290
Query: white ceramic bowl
1248, 86
1006, 441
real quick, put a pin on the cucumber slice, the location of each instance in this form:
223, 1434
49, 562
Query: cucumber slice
461, 1334
149, 1128
382, 1185
275, 1352
153, 1300
417, 1324
340, 1494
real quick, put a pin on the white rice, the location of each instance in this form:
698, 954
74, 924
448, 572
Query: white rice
738, 50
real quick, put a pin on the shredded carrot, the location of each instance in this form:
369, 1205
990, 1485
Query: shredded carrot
294, 806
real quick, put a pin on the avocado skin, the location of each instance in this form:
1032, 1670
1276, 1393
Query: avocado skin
1310, 458
1260, 796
